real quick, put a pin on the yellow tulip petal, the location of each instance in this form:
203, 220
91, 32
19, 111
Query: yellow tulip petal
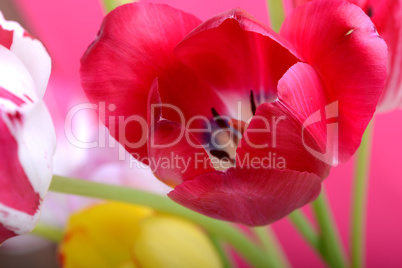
127, 236
109, 229
129, 264
79, 251
170, 242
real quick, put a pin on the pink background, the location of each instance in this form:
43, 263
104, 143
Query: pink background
67, 27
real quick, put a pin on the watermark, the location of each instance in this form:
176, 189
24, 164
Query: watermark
199, 160
218, 136
327, 117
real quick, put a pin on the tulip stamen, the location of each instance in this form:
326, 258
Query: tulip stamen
227, 126
222, 155
252, 101
228, 137
218, 119
369, 11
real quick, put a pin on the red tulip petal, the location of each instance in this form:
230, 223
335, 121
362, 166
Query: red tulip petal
5, 234
281, 130
387, 17
235, 54
6, 37
15, 188
251, 196
133, 47
341, 43
175, 155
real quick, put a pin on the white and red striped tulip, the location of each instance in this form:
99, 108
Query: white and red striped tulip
27, 136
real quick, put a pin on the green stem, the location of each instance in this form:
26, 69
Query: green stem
49, 232
359, 198
271, 246
109, 5
303, 225
330, 242
215, 227
305, 228
220, 248
276, 14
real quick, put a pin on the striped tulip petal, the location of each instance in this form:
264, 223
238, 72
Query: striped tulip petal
27, 137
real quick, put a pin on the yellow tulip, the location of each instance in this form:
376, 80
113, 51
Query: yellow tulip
126, 236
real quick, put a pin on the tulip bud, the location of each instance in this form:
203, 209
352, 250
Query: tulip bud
123, 235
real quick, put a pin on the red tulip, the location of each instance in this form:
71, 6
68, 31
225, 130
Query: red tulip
172, 85
387, 17
27, 138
